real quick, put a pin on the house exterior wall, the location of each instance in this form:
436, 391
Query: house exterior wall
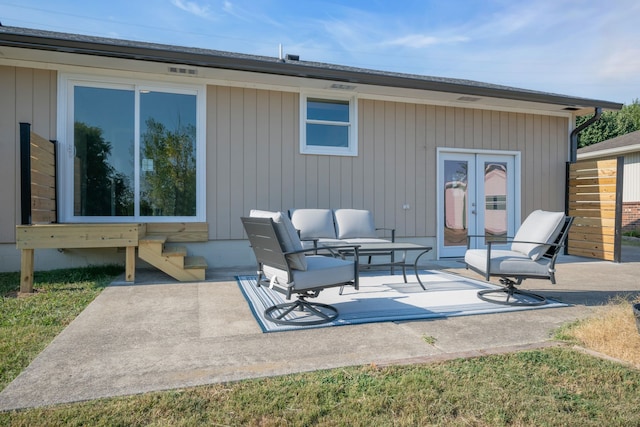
252, 147
28, 95
631, 216
631, 193
631, 183
253, 161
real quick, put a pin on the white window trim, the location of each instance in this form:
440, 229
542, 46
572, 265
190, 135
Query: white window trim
66, 83
352, 149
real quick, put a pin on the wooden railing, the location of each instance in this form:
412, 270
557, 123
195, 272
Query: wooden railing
40, 228
38, 178
595, 200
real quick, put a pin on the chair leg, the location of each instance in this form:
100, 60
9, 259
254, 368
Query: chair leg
510, 295
301, 312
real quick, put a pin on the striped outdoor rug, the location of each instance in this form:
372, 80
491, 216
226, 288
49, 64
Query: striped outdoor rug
386, 298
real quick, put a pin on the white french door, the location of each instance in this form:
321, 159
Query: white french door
476, 196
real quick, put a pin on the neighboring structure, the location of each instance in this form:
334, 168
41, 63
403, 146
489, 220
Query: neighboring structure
152, 133
627, 146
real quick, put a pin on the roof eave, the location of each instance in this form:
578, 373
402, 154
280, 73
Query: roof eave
608, 152
285, 68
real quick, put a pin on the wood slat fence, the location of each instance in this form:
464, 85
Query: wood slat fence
38, 178
594, 195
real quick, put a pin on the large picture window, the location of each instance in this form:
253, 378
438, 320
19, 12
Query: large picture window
328, 126
134, 153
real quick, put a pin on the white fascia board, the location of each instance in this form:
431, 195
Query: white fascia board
80, 64
609, 152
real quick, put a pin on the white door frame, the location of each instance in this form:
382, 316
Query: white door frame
440, 188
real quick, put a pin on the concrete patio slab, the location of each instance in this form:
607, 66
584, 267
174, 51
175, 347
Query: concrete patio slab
158, 335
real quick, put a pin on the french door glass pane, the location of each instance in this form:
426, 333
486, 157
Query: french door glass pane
167, 154
455, 202
103, 163
495, 191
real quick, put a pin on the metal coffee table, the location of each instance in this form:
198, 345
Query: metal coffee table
373, 249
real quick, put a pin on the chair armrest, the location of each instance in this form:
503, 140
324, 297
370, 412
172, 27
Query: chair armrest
314, 240
329, 248
337, 250
470, 236
484, 235
501, 242
393, 232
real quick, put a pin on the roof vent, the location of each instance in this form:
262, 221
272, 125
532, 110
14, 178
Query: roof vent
340, 86
468, 99
571, 109
184, 71
290, 57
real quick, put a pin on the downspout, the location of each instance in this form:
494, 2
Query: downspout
573, 157
573, 138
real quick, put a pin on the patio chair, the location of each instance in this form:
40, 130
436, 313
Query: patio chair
283, 267
532, 254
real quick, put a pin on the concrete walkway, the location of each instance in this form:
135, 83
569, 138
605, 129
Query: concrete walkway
158, 335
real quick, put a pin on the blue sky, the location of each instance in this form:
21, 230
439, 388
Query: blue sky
585, 48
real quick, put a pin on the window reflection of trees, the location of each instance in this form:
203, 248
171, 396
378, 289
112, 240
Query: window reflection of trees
168, 178
168, 182
103, 190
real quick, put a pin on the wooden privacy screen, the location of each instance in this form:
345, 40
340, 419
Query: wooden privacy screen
38, 178
595, 200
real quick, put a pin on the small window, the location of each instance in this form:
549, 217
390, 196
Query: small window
328, 126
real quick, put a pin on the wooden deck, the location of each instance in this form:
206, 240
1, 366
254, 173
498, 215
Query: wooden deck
82, 235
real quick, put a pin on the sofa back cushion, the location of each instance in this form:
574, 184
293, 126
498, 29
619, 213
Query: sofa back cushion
540, 226
354, 223
288, 235
313, 223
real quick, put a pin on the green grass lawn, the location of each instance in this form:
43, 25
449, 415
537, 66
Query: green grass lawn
29, 323
554, 386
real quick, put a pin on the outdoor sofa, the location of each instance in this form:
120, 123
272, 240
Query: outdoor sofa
329, 227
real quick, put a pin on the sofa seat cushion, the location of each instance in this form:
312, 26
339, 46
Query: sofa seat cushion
507, 262
321, 272
313, 223
288, 234
354, 223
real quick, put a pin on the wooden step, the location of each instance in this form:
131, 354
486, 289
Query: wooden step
175, 255
154, 244
153, 239
174, 251
173, 260
195, 262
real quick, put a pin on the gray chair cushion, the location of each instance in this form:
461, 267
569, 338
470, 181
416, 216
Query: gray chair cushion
313, 223
322, 271
288, 234
354, 223
507, 262
540, 226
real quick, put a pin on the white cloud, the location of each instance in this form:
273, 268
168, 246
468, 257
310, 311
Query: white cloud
230, 8
193, 8
419, 41
253, 14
